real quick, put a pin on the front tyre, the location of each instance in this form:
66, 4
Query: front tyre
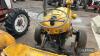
17, 22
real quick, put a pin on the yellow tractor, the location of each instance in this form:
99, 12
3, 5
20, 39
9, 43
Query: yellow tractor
55, 29
56, 33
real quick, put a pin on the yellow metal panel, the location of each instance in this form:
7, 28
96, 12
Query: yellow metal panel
23, 50
61, 16
95, 54
6, 39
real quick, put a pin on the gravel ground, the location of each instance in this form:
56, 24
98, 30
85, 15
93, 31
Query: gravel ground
36, 6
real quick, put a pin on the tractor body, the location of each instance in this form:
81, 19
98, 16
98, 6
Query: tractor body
4, 9
56, 30
16, 21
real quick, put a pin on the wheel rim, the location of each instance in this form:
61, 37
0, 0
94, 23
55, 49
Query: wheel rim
21, 23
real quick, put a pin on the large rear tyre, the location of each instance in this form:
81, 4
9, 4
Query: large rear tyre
81, 41
17, 22
38, 35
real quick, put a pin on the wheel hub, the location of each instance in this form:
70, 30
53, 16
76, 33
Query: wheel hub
21, 23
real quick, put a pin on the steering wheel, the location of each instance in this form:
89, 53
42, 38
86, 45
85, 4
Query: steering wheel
52, 17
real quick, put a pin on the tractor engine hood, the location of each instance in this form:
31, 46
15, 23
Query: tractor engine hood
58, 27
58, 14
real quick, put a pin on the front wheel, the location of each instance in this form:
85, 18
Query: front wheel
17, 22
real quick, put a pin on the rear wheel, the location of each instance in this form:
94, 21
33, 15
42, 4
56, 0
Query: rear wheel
81, 40
17, 22
38, 35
